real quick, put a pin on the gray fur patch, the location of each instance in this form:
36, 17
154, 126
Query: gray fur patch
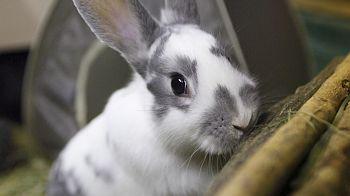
217, 121
160, 65
248, 94
100, 173
164, 98
155, 61
187, 67
225, 101
162, 69
220, 50
160, 48
186, 11
57, 185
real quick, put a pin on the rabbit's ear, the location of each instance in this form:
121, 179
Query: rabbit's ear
124, 25
180, 12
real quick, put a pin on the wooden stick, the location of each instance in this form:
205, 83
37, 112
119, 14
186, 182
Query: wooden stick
270, 167
331, 173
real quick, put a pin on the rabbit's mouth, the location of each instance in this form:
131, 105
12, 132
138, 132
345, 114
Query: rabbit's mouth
220, 139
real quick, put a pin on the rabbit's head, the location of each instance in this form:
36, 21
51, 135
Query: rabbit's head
200, 97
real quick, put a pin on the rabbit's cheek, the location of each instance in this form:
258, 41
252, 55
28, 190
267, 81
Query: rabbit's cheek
217, 123
249, 95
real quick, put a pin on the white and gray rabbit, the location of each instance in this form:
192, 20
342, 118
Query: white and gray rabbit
186, 100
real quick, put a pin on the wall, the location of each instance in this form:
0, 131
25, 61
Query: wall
19, 22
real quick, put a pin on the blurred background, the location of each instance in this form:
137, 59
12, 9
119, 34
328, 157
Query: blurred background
55, 76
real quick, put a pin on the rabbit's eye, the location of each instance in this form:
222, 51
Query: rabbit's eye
179, 84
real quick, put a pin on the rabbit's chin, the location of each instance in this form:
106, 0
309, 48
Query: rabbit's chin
214, 145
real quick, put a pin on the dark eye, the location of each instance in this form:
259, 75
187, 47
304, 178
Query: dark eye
179, 84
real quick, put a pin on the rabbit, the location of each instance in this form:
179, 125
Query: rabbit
187, 101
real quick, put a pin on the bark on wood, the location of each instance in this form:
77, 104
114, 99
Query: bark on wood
331, 173
268, 169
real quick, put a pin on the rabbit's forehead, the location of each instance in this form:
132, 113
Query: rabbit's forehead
184, 50
197, 55
212, 66
190, 41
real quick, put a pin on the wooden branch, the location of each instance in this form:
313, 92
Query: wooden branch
274, 117
268, 169
331, 173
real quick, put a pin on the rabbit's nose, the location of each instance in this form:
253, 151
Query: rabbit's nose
244, 127
239, 128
